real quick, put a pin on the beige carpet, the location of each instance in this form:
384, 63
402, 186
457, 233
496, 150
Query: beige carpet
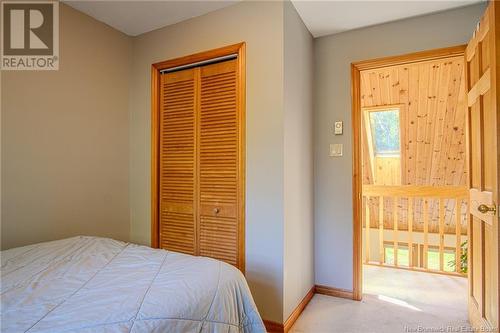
394, 301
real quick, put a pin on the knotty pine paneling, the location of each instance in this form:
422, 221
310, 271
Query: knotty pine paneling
432, 99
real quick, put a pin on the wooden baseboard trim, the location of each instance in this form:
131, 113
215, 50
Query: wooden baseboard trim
298, 310
335, 292
274, 327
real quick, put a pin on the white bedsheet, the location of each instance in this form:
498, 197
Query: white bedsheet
89, 284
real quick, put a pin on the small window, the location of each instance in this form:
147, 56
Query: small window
384, 126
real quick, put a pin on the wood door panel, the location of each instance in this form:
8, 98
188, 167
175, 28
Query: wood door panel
177, 232
482, 88
177, 162
488, 280
175, 207
475, 145
218, 163
476, 256
489, 140
219, 238
219, 210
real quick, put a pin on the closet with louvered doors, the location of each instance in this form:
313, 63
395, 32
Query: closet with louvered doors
200, 162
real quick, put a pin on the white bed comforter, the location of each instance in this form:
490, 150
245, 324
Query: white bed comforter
89, 284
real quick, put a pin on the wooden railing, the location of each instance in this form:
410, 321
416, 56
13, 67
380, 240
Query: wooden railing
411, 194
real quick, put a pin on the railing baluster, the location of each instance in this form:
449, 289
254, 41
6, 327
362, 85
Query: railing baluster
410, 232
395, 228
441, 234
418, 250
458, 235
381, 229
426, 230
367, 229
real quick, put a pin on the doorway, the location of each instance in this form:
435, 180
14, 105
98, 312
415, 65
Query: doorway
410, 180
480, 57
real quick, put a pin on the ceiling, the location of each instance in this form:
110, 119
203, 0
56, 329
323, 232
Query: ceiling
321, 17
330, 17
137, 17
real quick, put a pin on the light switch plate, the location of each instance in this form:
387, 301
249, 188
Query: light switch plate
338, 127
336, 149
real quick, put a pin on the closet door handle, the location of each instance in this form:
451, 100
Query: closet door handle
216, 210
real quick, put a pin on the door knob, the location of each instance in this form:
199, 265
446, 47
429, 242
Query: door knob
216, 210
485, 209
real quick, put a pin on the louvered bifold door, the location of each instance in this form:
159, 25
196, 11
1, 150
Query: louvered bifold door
177, 162
219, 163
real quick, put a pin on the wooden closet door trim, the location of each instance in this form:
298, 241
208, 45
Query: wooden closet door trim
196, 204
238, 49
241, 92
155, 152
202, 56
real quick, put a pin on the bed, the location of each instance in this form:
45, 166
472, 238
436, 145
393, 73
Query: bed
91, 284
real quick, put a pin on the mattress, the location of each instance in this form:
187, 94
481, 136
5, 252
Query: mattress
90, 284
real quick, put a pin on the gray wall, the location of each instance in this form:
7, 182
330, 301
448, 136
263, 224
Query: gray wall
333, 176
298, 160
260, 25
65, 139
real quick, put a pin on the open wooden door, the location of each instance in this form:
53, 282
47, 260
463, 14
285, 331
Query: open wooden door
482, 71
